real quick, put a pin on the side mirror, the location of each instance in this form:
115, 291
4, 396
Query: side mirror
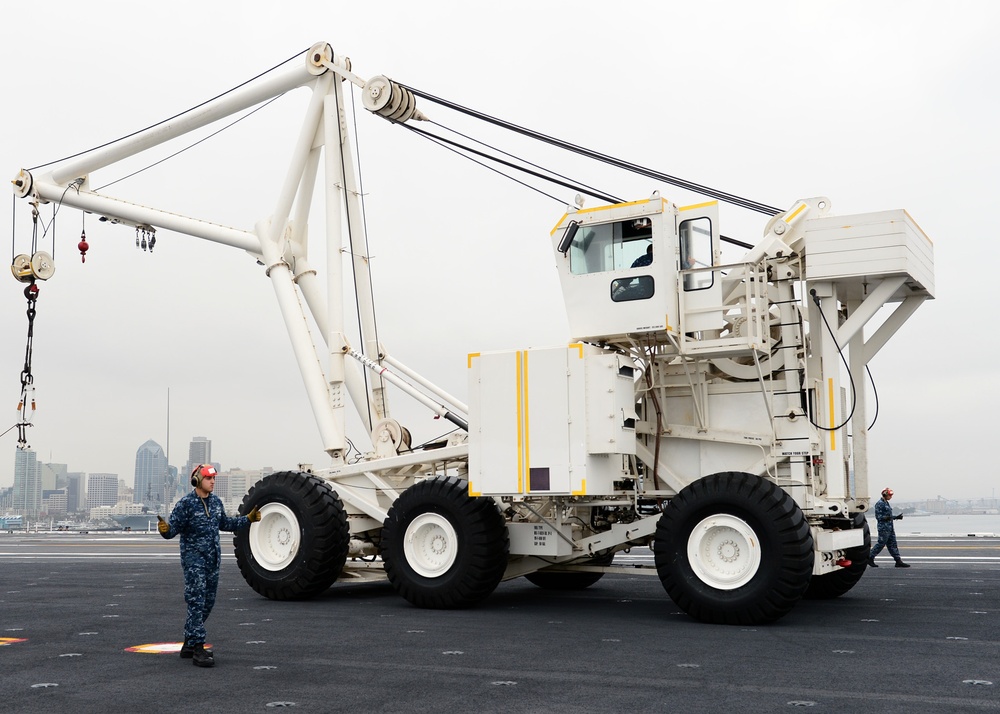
568, 236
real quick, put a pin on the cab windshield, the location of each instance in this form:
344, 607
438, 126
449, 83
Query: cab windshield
612, 246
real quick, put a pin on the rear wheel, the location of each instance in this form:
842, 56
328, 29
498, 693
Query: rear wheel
835, 584
299, 546
570, 581
443, 548
733, 548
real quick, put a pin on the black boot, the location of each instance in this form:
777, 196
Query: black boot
872, 563
901, 564
202, 657
187, 650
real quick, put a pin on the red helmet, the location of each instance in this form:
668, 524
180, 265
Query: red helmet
887, 492
200, 472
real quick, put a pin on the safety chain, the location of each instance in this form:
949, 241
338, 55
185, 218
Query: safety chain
26, 405
27, 379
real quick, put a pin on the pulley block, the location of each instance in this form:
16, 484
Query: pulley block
39, 266
388, 99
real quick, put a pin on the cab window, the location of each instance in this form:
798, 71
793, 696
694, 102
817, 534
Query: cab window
695, 238
612, 246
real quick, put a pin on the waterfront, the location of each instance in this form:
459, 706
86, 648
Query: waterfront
941, 524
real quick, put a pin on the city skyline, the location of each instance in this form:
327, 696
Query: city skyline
179, 469
51, 489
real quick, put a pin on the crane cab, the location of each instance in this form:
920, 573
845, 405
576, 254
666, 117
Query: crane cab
626, 270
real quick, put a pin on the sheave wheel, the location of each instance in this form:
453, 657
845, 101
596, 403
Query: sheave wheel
299, 546
570, 581
733, 548
835, 584
443, 548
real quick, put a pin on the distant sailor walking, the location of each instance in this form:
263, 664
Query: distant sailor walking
886, 530
197, 518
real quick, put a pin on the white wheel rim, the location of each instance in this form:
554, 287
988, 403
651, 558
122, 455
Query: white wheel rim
274, 539
724, 552
430, 545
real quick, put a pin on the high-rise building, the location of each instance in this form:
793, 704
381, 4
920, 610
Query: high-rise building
177, 485
102, 490
53, 476
54, 502
150, 475
76, 491
240, 481
27, 483
199, 452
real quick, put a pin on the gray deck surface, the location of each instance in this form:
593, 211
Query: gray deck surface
925, 639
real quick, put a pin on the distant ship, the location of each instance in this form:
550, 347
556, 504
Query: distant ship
140, 522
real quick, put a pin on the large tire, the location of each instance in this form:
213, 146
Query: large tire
733, 548
443, 548
299, 547
570, 580
835, 584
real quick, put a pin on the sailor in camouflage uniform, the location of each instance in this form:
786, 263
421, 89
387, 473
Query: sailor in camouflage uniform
197, 518
886, 530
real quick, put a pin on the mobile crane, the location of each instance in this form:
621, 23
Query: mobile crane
714, 412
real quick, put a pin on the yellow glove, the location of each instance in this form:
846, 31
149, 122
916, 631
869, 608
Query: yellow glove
162, 526
254, 515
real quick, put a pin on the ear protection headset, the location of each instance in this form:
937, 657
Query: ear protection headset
200, 472
887, 492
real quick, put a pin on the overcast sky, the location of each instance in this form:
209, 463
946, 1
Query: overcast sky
875, 105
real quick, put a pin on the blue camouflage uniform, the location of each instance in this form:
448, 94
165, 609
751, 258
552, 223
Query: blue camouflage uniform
198, 522
886, 531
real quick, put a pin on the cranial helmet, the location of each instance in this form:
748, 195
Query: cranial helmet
886, 491
200, 472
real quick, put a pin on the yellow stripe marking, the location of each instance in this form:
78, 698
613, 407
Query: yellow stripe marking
578, 346
693, 206
595, 209
564, 216
472, 491
796, 212
520, 426
527, 431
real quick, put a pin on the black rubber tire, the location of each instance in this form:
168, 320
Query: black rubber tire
480, 548
570, 581
785, 543
322, 532
835, 584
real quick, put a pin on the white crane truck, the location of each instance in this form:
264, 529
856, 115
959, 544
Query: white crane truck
713, 412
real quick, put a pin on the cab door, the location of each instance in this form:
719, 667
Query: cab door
699, 284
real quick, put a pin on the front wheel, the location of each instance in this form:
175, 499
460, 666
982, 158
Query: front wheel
443, 548
299, 546
733, 548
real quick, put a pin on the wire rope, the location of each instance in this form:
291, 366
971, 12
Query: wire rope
169, 119
366, 258
604, 158
840, 351
191, 146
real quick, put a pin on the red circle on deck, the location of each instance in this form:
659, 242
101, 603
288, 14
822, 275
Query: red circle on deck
159, 648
